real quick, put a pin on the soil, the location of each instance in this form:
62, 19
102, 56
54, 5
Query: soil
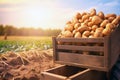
26, 65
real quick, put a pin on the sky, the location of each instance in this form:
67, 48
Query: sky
50, 13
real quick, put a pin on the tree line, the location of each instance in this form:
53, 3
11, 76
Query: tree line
14, 31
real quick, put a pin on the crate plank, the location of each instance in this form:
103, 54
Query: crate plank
83, 48
95, 40
81, 59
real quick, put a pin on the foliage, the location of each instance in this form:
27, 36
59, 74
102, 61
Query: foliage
15, 43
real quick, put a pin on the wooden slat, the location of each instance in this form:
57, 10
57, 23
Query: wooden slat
78, 74
115, 46
83, 48
106, 51
83, 66
86, 60
93, 40
54, 48
52, 76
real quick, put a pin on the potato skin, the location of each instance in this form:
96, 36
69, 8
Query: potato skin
92, 12
96, 20
101, 15
69, 27
103, 24
98, 32
78, 35
82, 28
110, 15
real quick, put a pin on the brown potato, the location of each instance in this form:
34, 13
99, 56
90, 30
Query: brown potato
96, 20
86, 52
110, 25
86, 21
89, 28
69, 27
92, 12
85, 17
92, 32
98, 32
116, 20
103, 24
81, 21
110, 15
77, 35
76, 25
67, 34
78, 16
74, 32
90, 19
90, 24
82, 28
111, 19
75, 20
101, 15
85, 34
91, 36
107, 30
94, 27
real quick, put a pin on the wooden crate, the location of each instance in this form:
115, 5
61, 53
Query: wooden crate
69, 52
72, 73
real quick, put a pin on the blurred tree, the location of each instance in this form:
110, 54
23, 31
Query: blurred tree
11, 30
1, 29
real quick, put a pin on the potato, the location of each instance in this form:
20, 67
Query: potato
90, 24
96, 20
89, 28
107, 30
81, 21
92, 12
111, 19
116, 20
94, 27
85, 34
86, 21
110, 25
101, 15
92, 32
78, 16
74, 32
77, 35
67, 34
90, 19
85, 17
86, 52
110, 15
98, 32
76, 25
69, 27
75, 20
103, 24
91, 36
82, 28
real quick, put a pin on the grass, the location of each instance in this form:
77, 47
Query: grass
24, 43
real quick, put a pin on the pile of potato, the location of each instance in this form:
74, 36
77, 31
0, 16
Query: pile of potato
90, 25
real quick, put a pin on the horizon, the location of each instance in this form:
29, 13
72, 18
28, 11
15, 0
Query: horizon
49, 14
